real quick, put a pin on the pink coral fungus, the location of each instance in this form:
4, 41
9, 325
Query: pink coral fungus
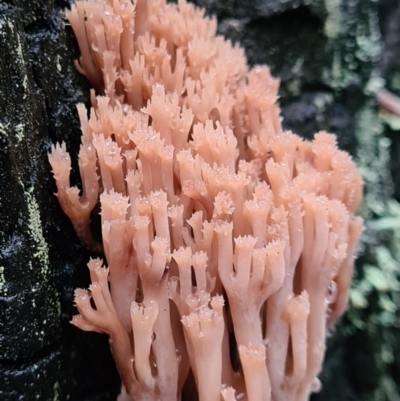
229, 241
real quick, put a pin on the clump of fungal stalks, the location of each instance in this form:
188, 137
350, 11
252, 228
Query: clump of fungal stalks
228, 241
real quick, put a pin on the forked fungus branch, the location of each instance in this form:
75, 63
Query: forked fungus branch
229, 241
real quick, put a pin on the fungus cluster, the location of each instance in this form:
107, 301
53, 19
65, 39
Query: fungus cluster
228, 241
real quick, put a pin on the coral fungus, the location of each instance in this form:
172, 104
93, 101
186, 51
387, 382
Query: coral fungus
229, 241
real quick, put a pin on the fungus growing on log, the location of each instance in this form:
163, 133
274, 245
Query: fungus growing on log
229, 241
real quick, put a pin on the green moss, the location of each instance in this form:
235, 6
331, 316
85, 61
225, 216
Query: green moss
394, 81
368, 47
375, 292
3, 288
19, 132
368, 39
19, 41
3, 129
333, 19
56, 389
373, 160
35, 230
25, 86
341, 72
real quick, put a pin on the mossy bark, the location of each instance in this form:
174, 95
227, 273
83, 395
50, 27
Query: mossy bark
42, 357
